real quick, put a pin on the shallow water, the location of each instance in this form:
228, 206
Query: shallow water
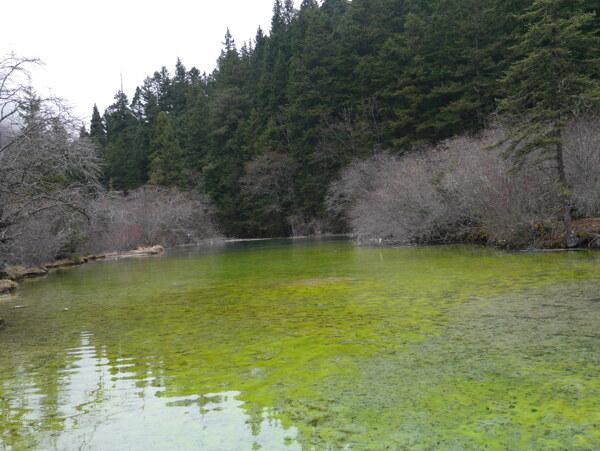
306, 344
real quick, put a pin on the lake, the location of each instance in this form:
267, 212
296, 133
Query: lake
308, 344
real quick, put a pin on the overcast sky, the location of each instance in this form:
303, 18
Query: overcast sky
87, 45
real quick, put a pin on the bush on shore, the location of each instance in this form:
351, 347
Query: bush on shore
148, 216
112, 221
465, 189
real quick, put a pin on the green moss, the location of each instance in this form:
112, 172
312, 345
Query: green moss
288, 345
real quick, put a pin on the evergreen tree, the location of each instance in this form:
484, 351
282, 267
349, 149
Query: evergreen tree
179, 89
554, 79
230, 103
439, 77
195, 125
123, 168
334, 11
97, 130
273, 83
317, 90
338, 80
166, 162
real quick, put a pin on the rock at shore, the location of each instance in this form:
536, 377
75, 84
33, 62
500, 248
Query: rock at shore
139, 252
7, 286
21, 272
63, 264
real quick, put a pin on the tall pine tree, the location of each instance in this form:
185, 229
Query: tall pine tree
554, 79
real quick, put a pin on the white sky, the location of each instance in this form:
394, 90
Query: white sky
86, 45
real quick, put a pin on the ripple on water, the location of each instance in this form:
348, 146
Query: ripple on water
299, 346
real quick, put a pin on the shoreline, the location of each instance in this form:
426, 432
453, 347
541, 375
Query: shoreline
13, 274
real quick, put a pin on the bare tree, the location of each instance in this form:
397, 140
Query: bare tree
356, 181
148, 216
350, 132
271, 175
458, 190
43, 165
582, 164
14, 83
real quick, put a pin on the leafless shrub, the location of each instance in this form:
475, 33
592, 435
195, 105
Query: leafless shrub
501, 202
148, 216
582, 164
460, 189
404, 205
301, 226
50, 234
357, 180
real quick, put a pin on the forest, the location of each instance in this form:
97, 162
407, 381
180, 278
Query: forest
407, 120
279, 118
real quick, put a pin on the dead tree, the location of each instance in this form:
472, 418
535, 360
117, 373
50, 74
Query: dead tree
44, 166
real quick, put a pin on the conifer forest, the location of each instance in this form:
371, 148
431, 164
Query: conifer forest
310, 127
435, 165
268, 130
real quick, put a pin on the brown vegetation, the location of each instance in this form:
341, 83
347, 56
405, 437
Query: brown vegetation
466, 190
7, 286
587, 231
21, 272
52, 205
148, 216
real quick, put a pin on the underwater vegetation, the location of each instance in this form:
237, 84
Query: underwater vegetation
304, 344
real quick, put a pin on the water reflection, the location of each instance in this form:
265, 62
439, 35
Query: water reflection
101, 403
305, 347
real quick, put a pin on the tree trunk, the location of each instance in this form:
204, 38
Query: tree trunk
564, 193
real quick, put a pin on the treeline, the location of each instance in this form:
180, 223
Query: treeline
325, 124
267, 131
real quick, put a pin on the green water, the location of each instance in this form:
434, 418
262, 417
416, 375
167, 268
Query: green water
303, 344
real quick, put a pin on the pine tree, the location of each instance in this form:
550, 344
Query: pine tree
555, 78
178, 89
439, 77
195, 125
274, 80
166, 162
123, 168
230, 104
317, 91
97, 130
